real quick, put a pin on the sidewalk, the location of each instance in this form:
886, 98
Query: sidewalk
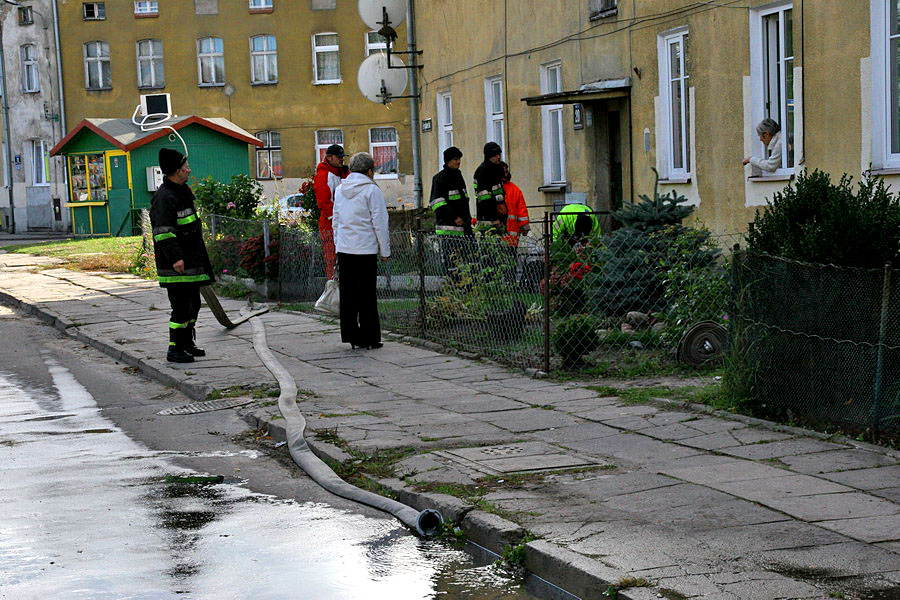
696, 504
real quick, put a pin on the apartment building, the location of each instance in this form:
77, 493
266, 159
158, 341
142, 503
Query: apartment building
284, 70
587, 97
34, 101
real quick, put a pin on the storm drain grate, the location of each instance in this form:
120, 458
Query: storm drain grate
206, 406
517, 458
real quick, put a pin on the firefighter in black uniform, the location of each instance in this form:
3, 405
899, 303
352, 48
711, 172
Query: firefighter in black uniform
182, 263
450, 203
490, 205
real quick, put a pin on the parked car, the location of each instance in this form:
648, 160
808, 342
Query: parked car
291, 204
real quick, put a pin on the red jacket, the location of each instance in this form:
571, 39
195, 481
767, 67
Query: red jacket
516, 212
324, 183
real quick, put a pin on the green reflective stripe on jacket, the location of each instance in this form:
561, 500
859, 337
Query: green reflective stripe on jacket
438, 204
484, 196
163, 236
455, 197
450, 232
183, 278
187, 219
178, 325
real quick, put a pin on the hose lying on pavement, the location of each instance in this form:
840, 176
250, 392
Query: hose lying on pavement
425, 523
212, 302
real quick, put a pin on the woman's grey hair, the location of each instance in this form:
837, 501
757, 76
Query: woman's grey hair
361, 162
769, 126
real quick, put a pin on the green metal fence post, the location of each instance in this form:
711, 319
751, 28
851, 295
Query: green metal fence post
420, 259
546, 312
882, 331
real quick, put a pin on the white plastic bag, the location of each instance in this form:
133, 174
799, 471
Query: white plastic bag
330, 300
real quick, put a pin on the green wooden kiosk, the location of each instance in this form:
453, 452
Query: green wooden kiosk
113, 166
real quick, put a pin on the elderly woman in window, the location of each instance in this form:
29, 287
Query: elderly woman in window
769, 133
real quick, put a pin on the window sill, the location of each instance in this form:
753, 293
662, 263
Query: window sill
885, 171
93, 18
146, 15
210, 85
31, 91
328, 82
99, 89
152, 87
761, 178
263, 83
262, 11
675, 180
40, 185
604, 14
387, 176
553, 188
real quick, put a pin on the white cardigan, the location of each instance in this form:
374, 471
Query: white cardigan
360, 218
774, 161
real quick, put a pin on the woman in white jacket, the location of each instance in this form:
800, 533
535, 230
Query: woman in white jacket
769, 133
360, 222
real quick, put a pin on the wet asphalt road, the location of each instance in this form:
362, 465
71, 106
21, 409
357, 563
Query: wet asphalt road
100, 498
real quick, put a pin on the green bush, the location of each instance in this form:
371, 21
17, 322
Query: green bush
816, 220
574, 337
651, 215
238, 199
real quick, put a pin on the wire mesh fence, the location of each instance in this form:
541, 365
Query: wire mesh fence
818, 343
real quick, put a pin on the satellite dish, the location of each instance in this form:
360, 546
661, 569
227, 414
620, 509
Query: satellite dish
372, 12
377, 82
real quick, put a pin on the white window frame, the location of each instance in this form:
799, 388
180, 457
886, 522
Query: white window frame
31, 75
210, 56
666, 126
394, 144
494, 115
40, 155
99, 7
98, 60
758, 85
257, 4
552, 115
316, 50
146, 7
321, 147
881, 155
157, 80
26, 15
265, 53
445, 120
374, 46
267, 150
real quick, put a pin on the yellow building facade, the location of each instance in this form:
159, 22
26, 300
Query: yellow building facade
284, 70
587, 97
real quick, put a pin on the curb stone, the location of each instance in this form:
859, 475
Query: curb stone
573, 572
451, 508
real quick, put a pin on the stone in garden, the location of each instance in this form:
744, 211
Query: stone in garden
657, 327
626, 328
637, 319
636, 344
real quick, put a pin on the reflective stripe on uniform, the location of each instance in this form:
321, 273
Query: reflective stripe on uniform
438, 202
457, 231
484, 196
187, 219
183, 213
455, 197
163, 236
178, 325
183, 278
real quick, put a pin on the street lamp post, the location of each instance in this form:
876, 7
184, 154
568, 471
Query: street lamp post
6, 133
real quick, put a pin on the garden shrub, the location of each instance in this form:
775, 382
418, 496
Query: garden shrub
575, 336
815, 220
238, 199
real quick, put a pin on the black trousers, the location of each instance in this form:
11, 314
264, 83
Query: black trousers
357, 276
185, 302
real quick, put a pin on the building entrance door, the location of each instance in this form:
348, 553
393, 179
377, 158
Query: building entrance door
607, 119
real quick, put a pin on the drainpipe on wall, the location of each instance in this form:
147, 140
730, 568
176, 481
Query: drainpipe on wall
414, 101
59, 76
6, 133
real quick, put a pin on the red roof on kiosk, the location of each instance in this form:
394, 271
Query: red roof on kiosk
125, 135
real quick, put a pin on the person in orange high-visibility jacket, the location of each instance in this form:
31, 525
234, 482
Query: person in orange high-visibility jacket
516, 211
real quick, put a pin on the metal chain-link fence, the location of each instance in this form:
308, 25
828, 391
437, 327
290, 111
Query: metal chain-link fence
818, 343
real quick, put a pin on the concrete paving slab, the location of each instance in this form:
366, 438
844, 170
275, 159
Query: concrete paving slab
867, 479
734, 470
867, 529
892, 494
631, 447
838, 460
762, 537
825, 507
575, 433
779, 488
782, 448
529, 419
846, 559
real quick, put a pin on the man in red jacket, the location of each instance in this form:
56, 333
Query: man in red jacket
329, 174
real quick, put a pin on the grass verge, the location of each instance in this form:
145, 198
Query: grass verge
114, 254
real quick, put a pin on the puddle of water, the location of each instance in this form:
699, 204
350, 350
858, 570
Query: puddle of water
98, 517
